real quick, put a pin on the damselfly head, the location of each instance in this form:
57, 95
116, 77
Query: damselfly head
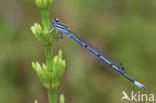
56, 19
54, 22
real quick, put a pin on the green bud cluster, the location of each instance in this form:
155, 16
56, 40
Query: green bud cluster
43, 35
50, 78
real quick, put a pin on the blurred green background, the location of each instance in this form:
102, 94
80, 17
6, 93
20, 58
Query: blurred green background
124, 29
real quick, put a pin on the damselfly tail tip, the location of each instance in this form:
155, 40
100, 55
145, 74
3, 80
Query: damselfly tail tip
139, 85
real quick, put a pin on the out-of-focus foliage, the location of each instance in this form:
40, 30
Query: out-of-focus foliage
125, 29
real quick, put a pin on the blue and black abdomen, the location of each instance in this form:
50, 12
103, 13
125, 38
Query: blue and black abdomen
96, 51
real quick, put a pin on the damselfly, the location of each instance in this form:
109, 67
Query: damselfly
111, 62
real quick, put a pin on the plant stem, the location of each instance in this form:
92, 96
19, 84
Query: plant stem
47, 73
49, 62
45, 18
48, 54
52, 95
48, 47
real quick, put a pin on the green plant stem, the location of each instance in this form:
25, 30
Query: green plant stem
52, 95
45, 18
48, 54
48, 46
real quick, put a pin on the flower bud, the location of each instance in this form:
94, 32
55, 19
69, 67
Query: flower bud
62, 98
43, 3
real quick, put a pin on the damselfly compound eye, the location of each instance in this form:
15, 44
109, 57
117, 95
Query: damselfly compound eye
56, 19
